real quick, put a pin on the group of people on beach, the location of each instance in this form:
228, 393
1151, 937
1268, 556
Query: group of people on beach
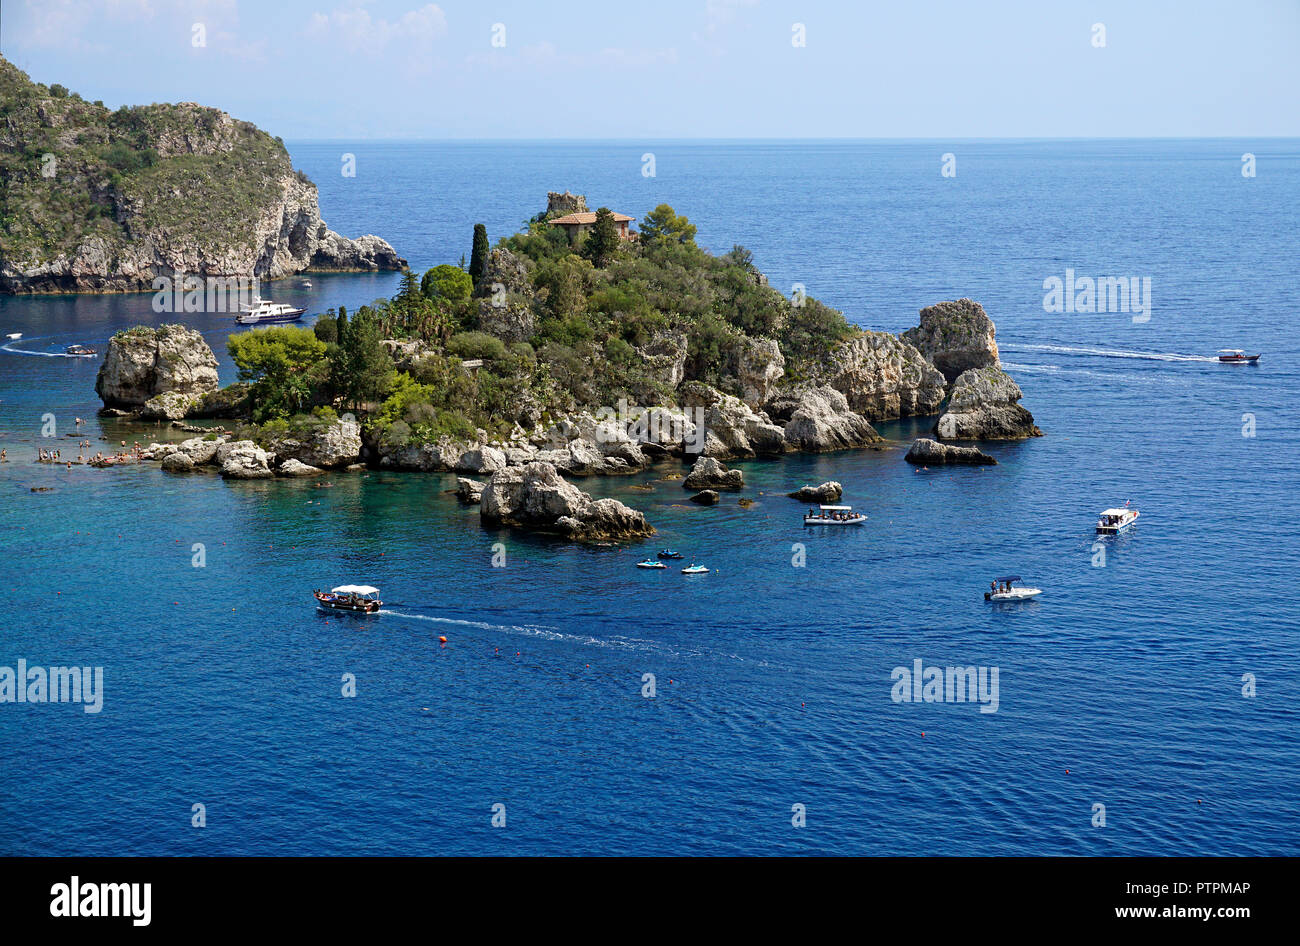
123, 455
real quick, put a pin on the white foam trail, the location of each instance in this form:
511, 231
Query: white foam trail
1018, 368
1112, 353
40, 354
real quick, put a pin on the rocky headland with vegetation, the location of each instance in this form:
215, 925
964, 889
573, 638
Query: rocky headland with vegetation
96, 200
546, 359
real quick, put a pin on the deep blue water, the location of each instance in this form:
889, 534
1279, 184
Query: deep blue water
1120, 686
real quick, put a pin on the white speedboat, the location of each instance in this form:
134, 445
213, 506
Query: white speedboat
694, 569
651, 563
834, 516
1005, 589
1113, 521
264, 311
14, 335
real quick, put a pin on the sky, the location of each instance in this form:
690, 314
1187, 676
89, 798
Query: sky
662, 69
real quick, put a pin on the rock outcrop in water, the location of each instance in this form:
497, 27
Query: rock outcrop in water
955, 336
537, 498
883, 377
114, 198
142, 364
984, 405
323, 446
829, 492
822, 421
709, 473
926, 452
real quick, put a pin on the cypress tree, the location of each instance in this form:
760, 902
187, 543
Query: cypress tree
479, 254
603, 240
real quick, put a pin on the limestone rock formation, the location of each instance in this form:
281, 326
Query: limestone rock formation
244, 460
536, 497
469, 492
759, 367
193, 193
883, 377
731, 428
325, 445
142, 363
955, 337
296, 468
828, 492
984, 405
822, 421
926, 452
706, 497
709, 473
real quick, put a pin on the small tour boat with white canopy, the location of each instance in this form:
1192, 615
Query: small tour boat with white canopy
1005, 589
1113, 521
357, 599
833, 516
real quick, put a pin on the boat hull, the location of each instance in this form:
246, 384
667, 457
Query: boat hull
857, 521
293, 316
1020, 594
1242, 360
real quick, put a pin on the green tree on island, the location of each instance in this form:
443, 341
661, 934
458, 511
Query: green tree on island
479, 254
361, 370
663, 225
447, 282
284, 364
602, 242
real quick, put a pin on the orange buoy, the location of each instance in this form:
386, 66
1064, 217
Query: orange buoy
442, 640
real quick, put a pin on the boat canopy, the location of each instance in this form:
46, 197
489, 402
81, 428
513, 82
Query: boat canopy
1008, 578
837, 508
355, 590
1231, 351
1115, 512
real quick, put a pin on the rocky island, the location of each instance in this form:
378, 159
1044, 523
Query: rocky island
105, 201
557, 356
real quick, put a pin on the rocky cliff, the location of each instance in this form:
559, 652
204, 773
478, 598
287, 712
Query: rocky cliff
103, 201
156, 366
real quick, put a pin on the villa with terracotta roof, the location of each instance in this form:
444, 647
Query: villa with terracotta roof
577, 225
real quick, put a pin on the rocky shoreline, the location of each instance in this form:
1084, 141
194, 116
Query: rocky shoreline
170, 373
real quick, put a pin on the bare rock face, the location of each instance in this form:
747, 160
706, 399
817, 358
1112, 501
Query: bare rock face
177, 463
481, 460
822, 421
244, 460
170, 405
829, 492
469, 492
926, 452
664, 357
955, 337
706, 497
142, 363
884, 377
731, 427
536, 497
327, 445
709, 473
504, 306
759, 367
984, 405
296, 468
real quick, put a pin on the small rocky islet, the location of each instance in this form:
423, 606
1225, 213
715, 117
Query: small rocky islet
169, 373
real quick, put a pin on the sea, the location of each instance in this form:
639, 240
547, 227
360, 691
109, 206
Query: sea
1147, 703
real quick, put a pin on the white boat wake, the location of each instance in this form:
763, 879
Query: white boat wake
552, 634
39, 354
1112, 353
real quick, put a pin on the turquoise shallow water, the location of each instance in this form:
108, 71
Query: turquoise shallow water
1120, 686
